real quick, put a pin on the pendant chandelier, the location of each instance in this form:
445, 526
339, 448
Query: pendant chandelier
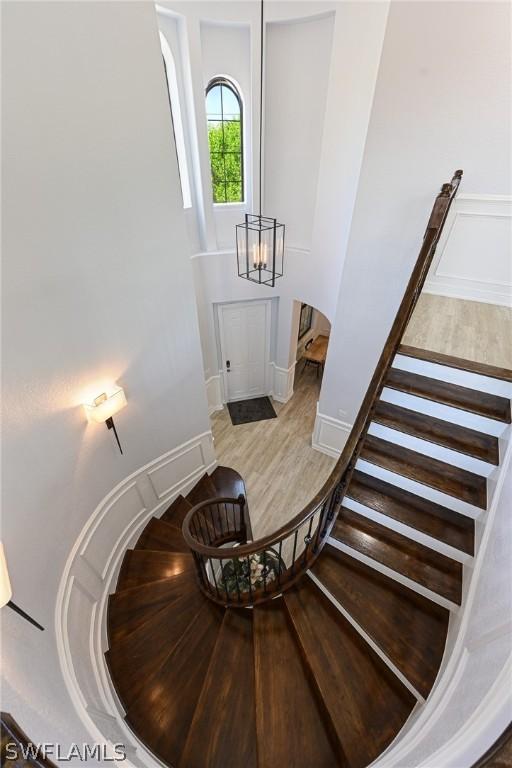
260, 239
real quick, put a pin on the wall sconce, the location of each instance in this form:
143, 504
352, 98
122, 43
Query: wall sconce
103, 408
6, 590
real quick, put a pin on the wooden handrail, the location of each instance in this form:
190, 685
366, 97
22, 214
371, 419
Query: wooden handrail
327, 501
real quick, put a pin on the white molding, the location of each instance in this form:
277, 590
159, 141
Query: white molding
330, 434
462, 243
283, 379
232, 252
214, 394
90, 573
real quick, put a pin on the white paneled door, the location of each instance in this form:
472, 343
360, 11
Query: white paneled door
245, 347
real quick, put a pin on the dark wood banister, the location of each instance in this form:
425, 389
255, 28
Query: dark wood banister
341, 474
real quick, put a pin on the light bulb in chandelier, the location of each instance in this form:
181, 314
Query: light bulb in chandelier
260, 249
259, 256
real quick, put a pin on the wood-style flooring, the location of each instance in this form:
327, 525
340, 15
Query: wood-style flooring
281, 469
282, 472
468, 329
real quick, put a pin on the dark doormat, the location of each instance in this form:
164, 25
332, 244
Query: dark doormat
257, 409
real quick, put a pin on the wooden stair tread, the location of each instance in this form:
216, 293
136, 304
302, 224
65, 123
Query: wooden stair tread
439, 522
223, 730
162, 715
432, 570
437, 474
453, 436
142, 566
176, 513
128, 609
289, 722
141, 654
160, 535
364, 699
202, 490
481, 403
407, 627
494, 372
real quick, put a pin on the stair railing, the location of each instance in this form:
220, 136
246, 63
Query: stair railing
249, 573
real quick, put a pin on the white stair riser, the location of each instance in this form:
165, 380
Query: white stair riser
445, 412
454, 376
457, 505
433, 450
407, 531
413, 585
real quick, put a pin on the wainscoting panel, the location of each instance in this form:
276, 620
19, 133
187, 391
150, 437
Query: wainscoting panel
127, 505
89, 577
474, 256
176, 469
330, 435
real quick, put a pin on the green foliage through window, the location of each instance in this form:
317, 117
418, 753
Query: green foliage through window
224, 114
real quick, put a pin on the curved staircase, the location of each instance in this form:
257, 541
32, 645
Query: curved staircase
327, 672
289, 682
318, 661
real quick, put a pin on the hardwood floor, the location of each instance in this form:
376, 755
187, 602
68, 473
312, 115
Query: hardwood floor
280, 468
468, 329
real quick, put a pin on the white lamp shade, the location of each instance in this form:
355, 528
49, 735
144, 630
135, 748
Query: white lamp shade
105, 406
5, 582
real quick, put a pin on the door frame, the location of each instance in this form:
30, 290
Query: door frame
267, 303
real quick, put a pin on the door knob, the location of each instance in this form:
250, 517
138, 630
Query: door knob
228, 365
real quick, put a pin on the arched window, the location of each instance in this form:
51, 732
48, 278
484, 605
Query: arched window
176, 120
225, 131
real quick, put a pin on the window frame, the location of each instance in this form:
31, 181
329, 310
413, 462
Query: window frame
221, 80
171, 81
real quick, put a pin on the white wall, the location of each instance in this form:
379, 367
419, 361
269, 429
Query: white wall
97, 288
311, 49
296, 82
441, 103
